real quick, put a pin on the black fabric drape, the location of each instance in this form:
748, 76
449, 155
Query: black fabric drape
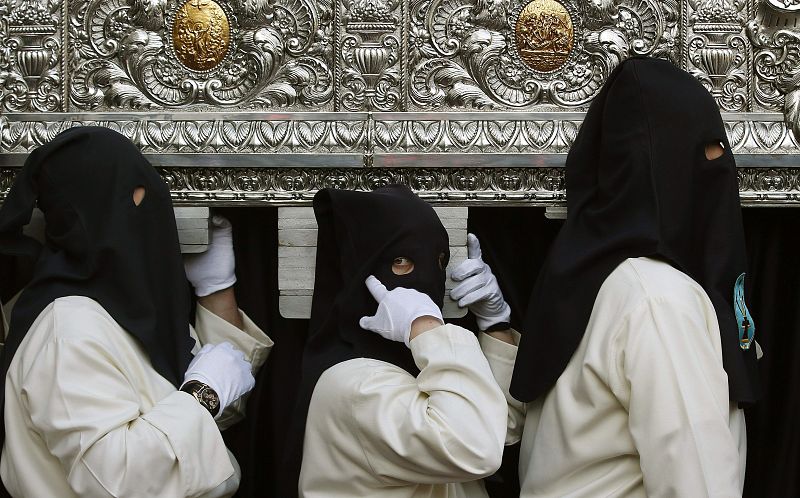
259, 440
15, 272
514, 243
773, 434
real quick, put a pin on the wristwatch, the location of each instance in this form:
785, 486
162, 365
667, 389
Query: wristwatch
203, 393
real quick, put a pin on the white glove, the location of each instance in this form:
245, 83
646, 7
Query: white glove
478, 289
224, 369
397, 309
213, 270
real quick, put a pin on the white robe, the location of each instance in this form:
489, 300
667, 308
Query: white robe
642, 408
373, 430
87, 415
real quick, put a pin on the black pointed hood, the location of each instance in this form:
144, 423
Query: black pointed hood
639, 184
99, 244
360, 234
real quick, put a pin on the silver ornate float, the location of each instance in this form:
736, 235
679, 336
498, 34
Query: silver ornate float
468, 101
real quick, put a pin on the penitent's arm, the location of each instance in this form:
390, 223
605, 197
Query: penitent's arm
87, 412
500, 349
447, 425
214, 325
669, 376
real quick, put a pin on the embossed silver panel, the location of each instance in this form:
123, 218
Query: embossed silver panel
468, 101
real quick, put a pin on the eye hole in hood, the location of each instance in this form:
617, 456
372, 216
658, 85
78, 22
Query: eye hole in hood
714, 150
402, 265
138, 195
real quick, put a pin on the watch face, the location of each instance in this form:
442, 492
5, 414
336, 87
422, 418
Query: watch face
210, 399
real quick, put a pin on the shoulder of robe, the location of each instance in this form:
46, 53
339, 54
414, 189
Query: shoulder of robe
637, 280
79, 317
359, 376
77, 321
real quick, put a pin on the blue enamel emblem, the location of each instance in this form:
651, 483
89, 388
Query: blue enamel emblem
747, 329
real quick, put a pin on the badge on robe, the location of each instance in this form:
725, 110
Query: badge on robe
747, 329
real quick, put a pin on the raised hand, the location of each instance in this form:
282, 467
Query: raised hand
478, 289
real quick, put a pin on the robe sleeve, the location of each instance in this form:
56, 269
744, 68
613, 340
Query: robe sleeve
501, 356
667, 371
89, 416
252, 341
447, 426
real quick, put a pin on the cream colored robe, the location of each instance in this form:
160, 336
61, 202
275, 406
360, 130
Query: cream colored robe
86, 415
642, 408
373, 430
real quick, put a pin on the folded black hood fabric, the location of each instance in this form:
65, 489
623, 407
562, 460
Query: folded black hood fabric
100, 244
360, 234
639, 184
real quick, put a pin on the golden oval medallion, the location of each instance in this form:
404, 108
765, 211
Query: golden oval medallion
544, 35
201, 34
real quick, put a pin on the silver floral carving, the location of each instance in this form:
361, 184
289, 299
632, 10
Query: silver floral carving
527, 186
775, 186
777, 67
462, 52
30, 74
757, 137
497, 133
120, 57
370, 55
255, 186
492, 135
365, 63
165, 136
718, 51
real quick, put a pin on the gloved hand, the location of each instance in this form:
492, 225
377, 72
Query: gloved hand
478, 289
223, 368
213, 270
397, 309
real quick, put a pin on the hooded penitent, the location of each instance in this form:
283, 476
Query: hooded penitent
639, 184
100, 244
360, 234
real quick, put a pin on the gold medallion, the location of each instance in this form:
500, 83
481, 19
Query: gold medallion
544, 35
201, 34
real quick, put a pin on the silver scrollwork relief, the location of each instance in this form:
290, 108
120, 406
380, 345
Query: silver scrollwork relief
526, 186
758, 137
301, 94
151, 54
471, 53
478, 136
370, 55
776, 41
493, 134
30, 72
256, 186
718, 52
218, 136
